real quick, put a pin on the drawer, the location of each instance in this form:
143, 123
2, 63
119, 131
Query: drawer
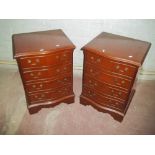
111, 65
45, 60
107, 78
49, 84
49, 95
104, 88
103, 100
46, 73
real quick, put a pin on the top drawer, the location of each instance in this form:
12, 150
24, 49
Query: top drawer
111, 65
45, 60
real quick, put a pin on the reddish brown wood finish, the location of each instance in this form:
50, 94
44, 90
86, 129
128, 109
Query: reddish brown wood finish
111, 63
45, 61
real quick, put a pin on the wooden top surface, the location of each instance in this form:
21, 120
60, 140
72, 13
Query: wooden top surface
40, 41
115, 46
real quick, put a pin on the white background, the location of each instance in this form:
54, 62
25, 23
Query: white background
81, 9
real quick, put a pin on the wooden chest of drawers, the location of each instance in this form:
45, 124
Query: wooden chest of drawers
111, 64
45, 61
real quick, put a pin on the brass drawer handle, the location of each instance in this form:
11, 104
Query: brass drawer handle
122, 71
117, 67
31, 74
92, 58
33, 64
34, 86
98, 60
123, 82
29, 61
120, 93
95, 84
37, 60
65, 79
57, 57
58, 70
39, 73
126, 69
64, 55
91, 70
41, 85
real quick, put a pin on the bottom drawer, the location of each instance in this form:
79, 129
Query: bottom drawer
103, 100
49, 95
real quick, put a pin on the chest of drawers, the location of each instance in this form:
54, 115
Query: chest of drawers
45, 61
111, 64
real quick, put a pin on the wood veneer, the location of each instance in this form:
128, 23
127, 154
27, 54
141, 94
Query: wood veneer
45, 61
111, 64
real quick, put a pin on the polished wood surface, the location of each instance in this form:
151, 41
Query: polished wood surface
45, 61
52, 40
119, 47
111, 64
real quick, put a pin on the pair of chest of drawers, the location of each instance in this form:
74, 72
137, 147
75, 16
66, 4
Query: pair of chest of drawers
111, 64
45, 61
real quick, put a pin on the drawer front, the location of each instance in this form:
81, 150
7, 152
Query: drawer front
46, 73
103, 100
50, 95
45, 85
104, 88
45, 60
107, 78
111, 65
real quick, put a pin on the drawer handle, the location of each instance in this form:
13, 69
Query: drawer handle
117, 67
31, 74
37, 60
41, 85
126, 69
64, 55
92, 58
98, 60
65, 79
58, 70
123, 82
29, 61
34, 86
90, 81
120, 93
57, 57
39, 73
65, 68
122, 71
91, 70
33, 64
95, 84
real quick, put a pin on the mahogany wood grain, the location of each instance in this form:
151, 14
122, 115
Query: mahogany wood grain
45, 61
111, 64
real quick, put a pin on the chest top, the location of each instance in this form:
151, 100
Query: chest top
119, 48
34, 42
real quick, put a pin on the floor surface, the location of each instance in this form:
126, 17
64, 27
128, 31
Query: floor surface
74, 118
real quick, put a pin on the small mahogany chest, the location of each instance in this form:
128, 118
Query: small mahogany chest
111, 64
45, 61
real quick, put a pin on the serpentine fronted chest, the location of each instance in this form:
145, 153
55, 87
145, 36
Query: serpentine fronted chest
45, 61
111, 64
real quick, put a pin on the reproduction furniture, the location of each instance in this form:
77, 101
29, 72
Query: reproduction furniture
45, 61
111, 64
